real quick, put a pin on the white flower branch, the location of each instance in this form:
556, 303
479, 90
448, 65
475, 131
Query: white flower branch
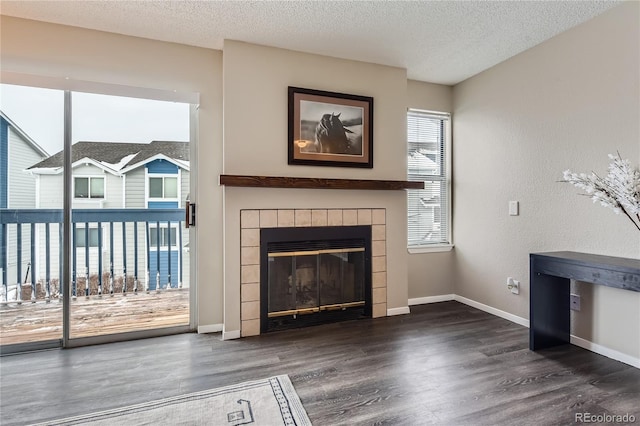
619, 190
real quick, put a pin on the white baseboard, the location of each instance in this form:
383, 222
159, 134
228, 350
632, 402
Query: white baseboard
497, 312
431, 299
398, 311
578, 341
230, 335
602, 350
211, 328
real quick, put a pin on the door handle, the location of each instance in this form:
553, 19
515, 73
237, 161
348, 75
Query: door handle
190, 214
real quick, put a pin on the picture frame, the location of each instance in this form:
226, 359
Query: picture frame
330, 129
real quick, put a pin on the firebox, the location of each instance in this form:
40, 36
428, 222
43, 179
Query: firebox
314, 275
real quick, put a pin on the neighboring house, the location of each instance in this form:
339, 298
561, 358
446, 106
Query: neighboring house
111, 175
423, 205
17, 187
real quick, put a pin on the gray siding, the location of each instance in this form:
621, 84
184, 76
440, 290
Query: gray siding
113, 192
135, 189
21, 195
87, 170
50, 191
21, 184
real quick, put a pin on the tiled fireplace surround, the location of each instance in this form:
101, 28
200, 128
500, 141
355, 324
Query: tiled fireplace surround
251, 221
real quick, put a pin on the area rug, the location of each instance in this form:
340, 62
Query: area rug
272, 401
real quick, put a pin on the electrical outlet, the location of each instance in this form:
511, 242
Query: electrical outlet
513, 285
574, 302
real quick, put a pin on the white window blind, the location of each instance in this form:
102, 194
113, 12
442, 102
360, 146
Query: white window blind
429, 215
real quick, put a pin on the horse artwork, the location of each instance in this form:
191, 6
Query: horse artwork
331, 136
330, 129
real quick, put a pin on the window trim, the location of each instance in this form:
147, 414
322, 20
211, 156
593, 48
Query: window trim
446, 178
432, 248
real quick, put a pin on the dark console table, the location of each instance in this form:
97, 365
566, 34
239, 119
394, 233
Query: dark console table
550, 275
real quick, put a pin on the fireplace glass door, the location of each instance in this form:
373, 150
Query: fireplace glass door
304, 282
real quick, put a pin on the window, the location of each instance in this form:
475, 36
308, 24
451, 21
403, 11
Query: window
165, 233
81, 241
88, 187
429, 212
163, 187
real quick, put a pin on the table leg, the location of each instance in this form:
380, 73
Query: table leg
549, 314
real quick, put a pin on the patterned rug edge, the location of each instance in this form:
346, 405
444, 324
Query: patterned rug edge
290, 397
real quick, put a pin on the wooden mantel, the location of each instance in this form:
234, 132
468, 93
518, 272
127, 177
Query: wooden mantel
316, 183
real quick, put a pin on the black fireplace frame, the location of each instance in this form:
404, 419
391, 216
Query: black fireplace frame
313, 235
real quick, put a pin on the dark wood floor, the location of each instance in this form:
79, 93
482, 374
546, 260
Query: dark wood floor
445, 363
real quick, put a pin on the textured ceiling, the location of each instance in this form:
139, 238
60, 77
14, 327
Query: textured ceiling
436, 41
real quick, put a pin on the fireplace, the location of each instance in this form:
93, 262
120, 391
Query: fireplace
254, 221
312, 275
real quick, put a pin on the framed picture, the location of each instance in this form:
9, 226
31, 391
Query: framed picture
330, 129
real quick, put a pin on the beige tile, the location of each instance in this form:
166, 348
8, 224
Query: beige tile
250, 237
250, 292
250, 255
250, 328
250, 219
349, 217
303, 217
364, 216
378, 232
379, 310
334, 217
379, 248
379, 295
378, 216
379, 264
379, 279
318, 217
250, 310
268, 218
286, 218
249, 274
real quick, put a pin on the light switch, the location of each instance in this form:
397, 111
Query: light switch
514, 209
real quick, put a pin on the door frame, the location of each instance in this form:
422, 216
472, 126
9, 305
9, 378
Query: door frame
68, 86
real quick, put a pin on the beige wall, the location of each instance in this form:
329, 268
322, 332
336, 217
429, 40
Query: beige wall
430, 274
429, 96
566, 103
255, 89
59, 51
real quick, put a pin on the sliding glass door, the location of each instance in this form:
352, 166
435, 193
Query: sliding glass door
31, 234
130, 181
119, 176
